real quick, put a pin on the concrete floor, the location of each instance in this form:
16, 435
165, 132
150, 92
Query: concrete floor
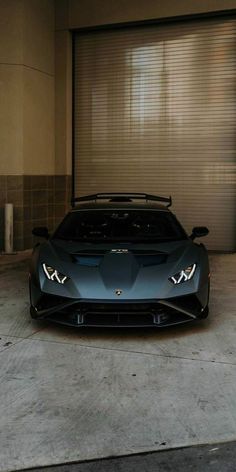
72, 395
215, 458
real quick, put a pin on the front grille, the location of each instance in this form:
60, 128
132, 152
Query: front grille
119, 307
113, 319
111, 314
119, 314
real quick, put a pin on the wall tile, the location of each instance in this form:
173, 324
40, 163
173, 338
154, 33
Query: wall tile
2, 228
50, 196
28, 226
60, 182
39, 182
51, 225
15, 197
39, 197
18, 244
3, 186
17, 229
38, 222
50, 180
14, 182
50, 211
27, 197
38, 200
28, 242
18, 213
2, 197
59, 211
60, 196
27, 212
27, 182
39, 212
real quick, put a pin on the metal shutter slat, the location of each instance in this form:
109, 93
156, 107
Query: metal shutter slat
155, 112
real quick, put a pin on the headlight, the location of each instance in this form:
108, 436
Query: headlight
183, 275
54, 275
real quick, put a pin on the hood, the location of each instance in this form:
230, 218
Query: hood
127, 271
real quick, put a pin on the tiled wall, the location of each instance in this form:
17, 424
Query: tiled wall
39, 200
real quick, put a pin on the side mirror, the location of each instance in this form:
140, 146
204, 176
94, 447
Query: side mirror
199, 232
41, 231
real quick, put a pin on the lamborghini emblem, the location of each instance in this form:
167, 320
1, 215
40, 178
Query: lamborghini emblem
119, 251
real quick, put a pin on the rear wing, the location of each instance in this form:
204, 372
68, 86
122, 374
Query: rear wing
121, 197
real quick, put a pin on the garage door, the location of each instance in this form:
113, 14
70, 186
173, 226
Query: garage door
155, 112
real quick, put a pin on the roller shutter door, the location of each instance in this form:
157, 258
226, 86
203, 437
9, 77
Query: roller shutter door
155, 111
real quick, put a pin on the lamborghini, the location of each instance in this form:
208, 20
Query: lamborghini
119, 259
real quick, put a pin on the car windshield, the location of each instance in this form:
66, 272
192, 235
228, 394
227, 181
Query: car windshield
120, 225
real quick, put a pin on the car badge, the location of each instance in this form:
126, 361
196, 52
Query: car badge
119, 251
118, 292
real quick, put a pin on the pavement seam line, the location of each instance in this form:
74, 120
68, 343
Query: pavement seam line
18, 342
135, 352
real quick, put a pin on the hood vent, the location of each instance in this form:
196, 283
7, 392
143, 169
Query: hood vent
144, 258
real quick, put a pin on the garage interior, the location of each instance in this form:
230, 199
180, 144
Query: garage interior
106, 95
139, 95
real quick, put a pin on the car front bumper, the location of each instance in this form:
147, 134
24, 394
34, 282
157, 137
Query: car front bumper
140, 313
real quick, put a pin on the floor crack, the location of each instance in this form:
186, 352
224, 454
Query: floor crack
167, 356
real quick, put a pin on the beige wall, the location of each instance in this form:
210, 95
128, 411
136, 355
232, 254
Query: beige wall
38, 87
11, 31
38, 123
38, 35
82, 13
11, 120
27, 87
63, 102
11, 116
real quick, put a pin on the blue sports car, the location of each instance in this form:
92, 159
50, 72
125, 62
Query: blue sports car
119, 259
